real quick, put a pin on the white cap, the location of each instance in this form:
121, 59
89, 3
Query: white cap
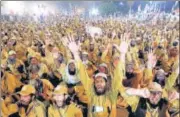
12, 52
85, 53
103, 65
101, 75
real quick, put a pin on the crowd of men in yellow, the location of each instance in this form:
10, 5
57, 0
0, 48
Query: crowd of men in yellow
59, 70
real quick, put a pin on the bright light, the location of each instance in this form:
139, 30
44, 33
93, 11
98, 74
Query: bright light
79, 11
94, 11
14, 7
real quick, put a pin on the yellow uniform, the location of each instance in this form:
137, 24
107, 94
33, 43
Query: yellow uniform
69, 111
9, 87
35, 109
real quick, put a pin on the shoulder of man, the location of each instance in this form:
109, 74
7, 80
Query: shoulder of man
38, 103
74, 106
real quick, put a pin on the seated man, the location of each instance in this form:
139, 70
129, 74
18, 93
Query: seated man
59, 107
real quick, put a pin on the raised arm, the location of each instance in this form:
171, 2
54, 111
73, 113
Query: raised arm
82, 73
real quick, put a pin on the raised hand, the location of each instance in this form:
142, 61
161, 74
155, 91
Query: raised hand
123, 48
72, 45
151, 59
113, 34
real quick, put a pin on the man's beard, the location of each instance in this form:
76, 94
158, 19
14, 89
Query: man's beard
72, 72
24, 104
11, 61
34, 68
153, 105
91, 49
130, 75
99, 93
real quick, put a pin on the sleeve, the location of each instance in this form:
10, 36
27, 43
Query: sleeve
170, 81
132, 100
104, 54
147, 77
118, 75
86, 81
41, 111
50, 113
78, 112
117, 85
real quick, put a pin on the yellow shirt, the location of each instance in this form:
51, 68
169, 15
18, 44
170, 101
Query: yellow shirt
69, 111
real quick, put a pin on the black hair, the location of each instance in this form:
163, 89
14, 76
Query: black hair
14, 43
175, 43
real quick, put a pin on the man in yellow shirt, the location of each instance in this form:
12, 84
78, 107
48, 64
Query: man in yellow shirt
28, 106
59, 107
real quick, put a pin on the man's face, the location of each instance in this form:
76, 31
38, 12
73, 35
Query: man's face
12, 57
34, 61
129, 68
100, 85
102, 69
72, 69
91, 47
84, 57
155, 97
25, 100
60, 99
10, 42
60, 58
160, 75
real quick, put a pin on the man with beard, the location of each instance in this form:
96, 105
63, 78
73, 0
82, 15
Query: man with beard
60, 107
92, 53
160, 76
70, 75
6, 76
102, 103
27, 105
36, 66
55, 75
133, 76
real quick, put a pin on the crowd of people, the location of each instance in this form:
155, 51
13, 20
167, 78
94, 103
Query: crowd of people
58, 69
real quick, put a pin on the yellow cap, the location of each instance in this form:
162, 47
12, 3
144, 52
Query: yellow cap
36, 55
154, 86
103, 65
101, 75
60, 89
27, 90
